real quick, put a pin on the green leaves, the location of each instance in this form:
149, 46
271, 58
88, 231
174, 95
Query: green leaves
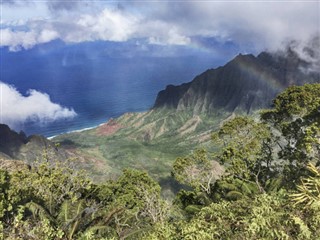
297, 118
297, 101
197, 170
309, 189
266, 216
58, 202
246, 151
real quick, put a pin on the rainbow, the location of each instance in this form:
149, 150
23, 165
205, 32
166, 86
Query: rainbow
261, 76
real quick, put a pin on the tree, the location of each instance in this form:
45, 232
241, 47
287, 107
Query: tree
246, 152
139, 197
4, 203
197, 171
295, 119
54, 201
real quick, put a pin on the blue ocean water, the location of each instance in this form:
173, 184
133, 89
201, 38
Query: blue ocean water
100, 80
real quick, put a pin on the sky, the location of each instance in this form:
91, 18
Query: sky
260, 24
170, 26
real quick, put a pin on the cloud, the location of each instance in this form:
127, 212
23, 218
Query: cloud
63, 5
309, 52
35, 106
55, 6
111, 25
7, 2
260, 25
108, 25
16, 40
52, 4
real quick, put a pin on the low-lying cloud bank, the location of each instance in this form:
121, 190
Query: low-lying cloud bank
15, 109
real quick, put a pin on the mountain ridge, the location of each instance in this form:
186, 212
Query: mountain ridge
244, 84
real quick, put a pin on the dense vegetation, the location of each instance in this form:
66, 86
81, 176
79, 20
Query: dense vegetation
262, 183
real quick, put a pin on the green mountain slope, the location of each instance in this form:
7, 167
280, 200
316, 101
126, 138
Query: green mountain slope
148, 141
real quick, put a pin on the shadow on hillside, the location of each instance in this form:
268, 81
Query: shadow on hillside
67, 143
170, 187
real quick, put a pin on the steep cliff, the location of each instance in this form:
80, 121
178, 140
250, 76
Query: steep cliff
244, 84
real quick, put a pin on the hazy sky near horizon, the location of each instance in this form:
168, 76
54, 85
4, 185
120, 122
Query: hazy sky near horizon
259, 25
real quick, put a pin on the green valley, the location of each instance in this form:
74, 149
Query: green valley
148, 141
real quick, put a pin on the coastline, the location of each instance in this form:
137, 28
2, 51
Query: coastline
74, 131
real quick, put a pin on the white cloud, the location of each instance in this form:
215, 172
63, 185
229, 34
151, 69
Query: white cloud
36, 106
262, 24
172, 37
309, 52
16, 40
47, 35
110, 25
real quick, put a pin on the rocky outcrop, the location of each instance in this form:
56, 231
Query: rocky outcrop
245, 84
15, 145
10, 141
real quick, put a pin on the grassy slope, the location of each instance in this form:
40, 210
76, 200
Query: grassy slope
150, 141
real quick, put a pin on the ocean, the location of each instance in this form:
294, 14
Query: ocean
99, 80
